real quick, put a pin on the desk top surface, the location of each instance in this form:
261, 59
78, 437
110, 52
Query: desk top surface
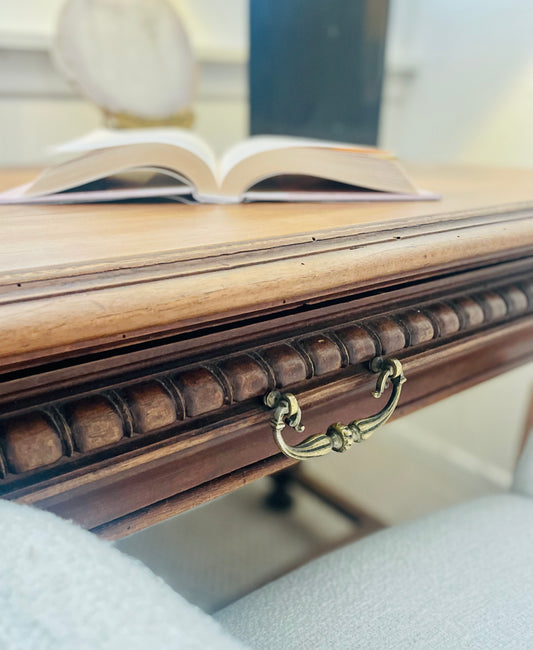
39, 236
150, 408
76, 277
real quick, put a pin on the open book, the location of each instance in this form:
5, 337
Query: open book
175, 163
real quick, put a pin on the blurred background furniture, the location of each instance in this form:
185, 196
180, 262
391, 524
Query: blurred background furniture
467, 104
316, 69
133, 61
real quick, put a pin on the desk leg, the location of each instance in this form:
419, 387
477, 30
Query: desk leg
280, 498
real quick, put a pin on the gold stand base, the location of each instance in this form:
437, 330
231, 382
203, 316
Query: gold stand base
183, 119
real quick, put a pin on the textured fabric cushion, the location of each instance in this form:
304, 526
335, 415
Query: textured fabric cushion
461, 578
62, 588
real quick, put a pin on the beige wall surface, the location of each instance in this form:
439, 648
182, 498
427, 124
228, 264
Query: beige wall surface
467, 94
458, 83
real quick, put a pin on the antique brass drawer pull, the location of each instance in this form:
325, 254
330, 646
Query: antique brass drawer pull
338, 437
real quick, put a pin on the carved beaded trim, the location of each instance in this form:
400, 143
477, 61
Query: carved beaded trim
49, 435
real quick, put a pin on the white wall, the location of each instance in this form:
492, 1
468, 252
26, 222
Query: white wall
458, 88
478, 430
468, 93
215, 25
38, 109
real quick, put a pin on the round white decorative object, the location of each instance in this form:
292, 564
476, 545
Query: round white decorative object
127, 56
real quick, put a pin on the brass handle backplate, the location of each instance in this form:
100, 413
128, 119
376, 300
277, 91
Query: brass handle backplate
338, 437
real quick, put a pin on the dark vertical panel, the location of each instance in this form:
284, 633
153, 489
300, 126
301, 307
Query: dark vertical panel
316, 67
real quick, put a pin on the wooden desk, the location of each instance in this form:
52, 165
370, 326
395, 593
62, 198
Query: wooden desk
137, 340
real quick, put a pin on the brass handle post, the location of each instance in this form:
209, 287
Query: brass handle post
338, 437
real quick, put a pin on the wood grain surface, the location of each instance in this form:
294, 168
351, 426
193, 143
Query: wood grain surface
73, 278
146, 433
40, 237
43, 435
137, 340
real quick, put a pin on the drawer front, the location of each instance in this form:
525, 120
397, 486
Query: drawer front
121, 441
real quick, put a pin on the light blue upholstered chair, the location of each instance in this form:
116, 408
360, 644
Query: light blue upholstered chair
460, 578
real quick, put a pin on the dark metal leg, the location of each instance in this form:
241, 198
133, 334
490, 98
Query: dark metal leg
280, 498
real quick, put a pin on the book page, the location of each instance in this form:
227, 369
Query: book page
358, 167
104, 138
263, 143
96, 164
142, 183
336, 197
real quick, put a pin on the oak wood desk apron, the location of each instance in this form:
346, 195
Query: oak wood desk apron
138, 340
